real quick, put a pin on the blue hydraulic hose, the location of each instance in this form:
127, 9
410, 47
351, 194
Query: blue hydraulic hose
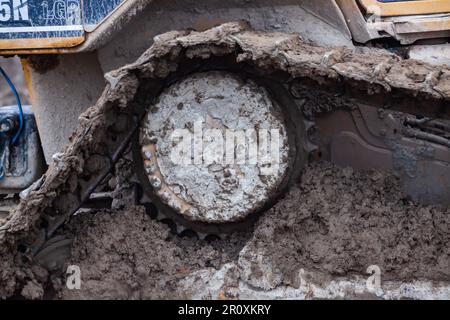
19, 105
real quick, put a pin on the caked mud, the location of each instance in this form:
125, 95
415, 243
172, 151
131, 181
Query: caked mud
334, 224
126, 255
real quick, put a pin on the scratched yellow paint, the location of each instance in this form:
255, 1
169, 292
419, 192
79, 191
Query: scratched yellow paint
20, 44
406, 7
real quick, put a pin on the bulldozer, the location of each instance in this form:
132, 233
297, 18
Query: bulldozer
217, 105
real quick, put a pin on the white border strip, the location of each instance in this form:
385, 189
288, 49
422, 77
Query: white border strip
40, 29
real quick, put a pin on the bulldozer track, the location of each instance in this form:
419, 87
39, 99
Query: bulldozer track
339, 77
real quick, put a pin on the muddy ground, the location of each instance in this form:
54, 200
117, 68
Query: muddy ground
332, 225
14, 70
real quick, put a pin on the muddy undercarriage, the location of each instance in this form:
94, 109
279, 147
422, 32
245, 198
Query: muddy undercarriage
367, 110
